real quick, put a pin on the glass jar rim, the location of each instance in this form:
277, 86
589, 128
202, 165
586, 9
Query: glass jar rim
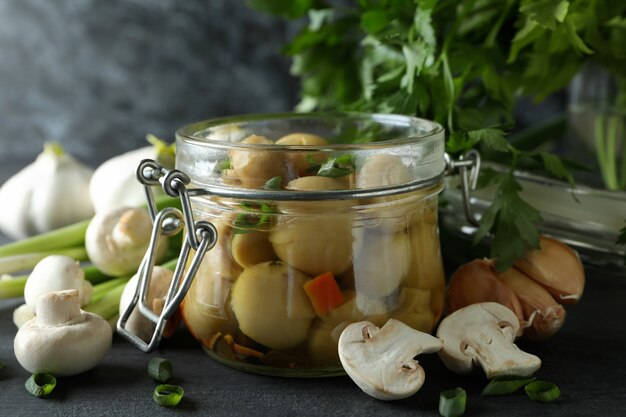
191, 133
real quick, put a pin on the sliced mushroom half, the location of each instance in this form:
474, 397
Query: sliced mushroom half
481, 336
381, 360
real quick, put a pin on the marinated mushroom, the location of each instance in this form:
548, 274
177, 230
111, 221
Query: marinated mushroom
482, 335
251, 248
253, 167
381, 262
315, 183
381, 170
300, 160
426, 270
381, 360
271, 306
205, 308
415, 309
314, 244
62, 339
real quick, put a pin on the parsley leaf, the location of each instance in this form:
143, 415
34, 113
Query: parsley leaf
513, 223
254, 216
337, 167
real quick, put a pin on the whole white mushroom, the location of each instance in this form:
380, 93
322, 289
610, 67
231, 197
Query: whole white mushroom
56, 273
116, 241
62, 339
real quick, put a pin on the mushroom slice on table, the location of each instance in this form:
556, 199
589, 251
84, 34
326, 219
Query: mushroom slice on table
482, 335
381, 360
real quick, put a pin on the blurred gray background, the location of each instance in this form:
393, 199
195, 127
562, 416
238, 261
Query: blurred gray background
98, 75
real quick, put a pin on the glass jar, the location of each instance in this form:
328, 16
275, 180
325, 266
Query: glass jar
339, 224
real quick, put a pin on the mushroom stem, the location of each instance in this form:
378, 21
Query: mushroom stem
57, 307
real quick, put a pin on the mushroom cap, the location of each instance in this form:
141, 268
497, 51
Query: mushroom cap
381, 360
483, 335
56, 273
315, 244
271, 306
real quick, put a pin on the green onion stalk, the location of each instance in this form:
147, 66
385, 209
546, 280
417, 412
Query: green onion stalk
23, 255
610, 140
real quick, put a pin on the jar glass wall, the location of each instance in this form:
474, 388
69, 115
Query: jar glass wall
351, 234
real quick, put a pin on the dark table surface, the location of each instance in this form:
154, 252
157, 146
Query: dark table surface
587, 359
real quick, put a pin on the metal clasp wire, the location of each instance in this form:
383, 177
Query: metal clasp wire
201, 237
468, 166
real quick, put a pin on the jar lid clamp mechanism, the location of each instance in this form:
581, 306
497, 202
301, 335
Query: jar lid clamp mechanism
201, 236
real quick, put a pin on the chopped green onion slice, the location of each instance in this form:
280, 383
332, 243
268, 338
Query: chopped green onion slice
505, 385
543, 391
167, 395
452, 402
273, 183
160, 369
40, 385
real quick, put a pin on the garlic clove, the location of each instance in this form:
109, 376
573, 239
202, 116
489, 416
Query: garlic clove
556, 267
545, 316
477, 282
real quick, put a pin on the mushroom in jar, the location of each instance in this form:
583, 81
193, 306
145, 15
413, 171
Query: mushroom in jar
300, 160
426, 271
381, 262
252, 168
251, 248
324, 335
318, 238
383, 170
271, 306
205, 307
314, 244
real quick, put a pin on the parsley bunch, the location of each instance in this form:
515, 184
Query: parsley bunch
461, 63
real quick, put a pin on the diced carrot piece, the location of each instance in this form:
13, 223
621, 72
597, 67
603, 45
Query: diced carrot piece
324, 293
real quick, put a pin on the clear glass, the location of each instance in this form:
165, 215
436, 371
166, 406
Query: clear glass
288, 275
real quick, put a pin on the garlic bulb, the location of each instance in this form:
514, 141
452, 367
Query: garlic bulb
114, 183
51, 192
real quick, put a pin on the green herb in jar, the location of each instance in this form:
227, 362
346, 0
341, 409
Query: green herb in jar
337, 167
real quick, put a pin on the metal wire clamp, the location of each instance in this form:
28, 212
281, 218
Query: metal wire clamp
201, 237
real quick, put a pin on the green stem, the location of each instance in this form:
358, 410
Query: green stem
598, 133
108, 304
65, 237
94, 275
103, 288
611, 153
11, 287
15, 263
622, 171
